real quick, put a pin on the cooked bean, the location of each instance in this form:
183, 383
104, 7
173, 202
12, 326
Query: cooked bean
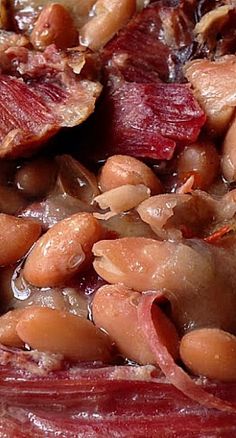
8, 323
53, 331
200, 160
7, 296
7, 169
229, 154
54, 26
109, 17
193, 276
11, 200
36, 177
16, 238
122, 169
63, 251
211, 353
122, 198
114, 309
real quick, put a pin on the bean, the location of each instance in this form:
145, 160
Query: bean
63, 251
114, 309
121, 170
54, 25
7, 169
8, 323
36, 177
229, 154
16, 238
200, 160
110, 16
210, 352
54, 331
11, 200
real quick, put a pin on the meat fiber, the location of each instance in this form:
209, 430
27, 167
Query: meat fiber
44, 96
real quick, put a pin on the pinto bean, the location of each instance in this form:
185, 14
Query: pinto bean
11, 200
36, 177
109, 17
16, 238
229, 154
114, 309
121, 170
54, 331
8, 323
190, 272
54, 25
63, 251
200, 160
210, 352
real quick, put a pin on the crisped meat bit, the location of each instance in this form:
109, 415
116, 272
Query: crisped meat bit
148, 120
51, 96
214, 85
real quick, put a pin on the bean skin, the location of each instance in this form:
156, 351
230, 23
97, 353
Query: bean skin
121, 170
64, 250
54, 331
8, 323
114, 309
211, 353
16, 238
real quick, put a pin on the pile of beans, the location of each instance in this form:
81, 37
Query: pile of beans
43, 305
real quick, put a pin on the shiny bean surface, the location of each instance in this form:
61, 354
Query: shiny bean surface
16, 238
54, 26
211, 353
114, 309
36, 177
63, 251
8, 323
200, 160
53, 331
122, 169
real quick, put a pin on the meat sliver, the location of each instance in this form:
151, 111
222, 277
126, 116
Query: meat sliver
174, 374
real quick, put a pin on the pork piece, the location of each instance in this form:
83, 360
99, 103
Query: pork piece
152, 46
45, 95
147, 120
198, 279
111, 401
214, 84
215, 32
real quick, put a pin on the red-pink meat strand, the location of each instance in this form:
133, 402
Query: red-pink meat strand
174, 373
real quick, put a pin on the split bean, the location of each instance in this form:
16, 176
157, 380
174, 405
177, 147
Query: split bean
114, 309
64, 250
210, 352
17, 235
54, 331
121, 170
